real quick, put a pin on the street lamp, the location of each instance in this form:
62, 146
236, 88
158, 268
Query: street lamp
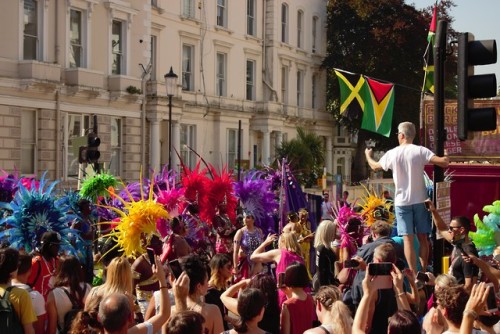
171, 84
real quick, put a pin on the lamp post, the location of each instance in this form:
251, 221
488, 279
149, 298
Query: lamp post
171, 85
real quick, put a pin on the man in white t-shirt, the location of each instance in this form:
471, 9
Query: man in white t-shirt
407, 162
23, 272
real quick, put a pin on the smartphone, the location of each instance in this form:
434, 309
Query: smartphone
491, 301
151, 255
351, 263
175, 268
380, 269
422, 277
281, 280
427, 204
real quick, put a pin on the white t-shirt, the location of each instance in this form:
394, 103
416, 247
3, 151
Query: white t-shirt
36, 299
407, 163
63, 304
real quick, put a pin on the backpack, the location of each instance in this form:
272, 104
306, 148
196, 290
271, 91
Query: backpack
76, 306
9, 321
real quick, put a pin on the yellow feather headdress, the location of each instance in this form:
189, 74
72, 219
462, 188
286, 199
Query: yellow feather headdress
376, 208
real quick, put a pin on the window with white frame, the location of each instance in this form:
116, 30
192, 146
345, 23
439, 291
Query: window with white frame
284, 23
188, 139
300, 88
29, 134
116, 146
76, 48
314, 33
77, 126
188, 9
31, 47
300, 29
284, 84
232, 146
187, 67
250, 88
314, 88
251, 12
222, 13
153, 50
221, 74
117, 46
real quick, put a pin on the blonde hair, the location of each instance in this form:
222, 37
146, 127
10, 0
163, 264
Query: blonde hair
330, 298
445, 280
325, 234
118, 278
289, 241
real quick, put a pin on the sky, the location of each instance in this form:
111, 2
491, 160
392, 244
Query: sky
479, 17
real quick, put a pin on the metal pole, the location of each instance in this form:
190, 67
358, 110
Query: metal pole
439, 130
239, 150
170, 132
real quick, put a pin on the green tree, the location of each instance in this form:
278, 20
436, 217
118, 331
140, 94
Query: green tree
306, 156
386, 40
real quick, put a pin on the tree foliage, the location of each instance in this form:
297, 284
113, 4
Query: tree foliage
385, 40
305, 155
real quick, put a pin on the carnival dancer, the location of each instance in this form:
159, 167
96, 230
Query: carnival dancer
246, 241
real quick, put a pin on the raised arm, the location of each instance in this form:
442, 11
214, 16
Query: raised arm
439, 222
375, 165
227, 298
236, 249
259, 255
442, 162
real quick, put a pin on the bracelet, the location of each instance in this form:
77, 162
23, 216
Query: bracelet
472, 313
163, 287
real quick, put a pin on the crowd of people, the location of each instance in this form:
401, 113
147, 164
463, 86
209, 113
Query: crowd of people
350, 274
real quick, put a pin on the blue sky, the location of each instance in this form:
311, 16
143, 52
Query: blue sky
479, 17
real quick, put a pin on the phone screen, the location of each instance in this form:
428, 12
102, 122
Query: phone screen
380, 269
491, 301
175, 266
422, 277
151, 255
281, 280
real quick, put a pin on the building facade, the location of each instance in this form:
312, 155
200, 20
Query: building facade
254, 63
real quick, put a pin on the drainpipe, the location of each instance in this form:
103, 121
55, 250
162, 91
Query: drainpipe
143, 122
264, 53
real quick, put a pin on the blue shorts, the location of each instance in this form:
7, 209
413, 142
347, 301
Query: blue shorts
413, 219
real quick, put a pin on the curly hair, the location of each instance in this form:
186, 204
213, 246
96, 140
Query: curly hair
196, 270
453, 299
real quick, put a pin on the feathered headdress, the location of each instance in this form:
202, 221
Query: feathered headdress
170, 196
138, 220
9, 185
257, 198
376, 208
194, 183
34, 212
97, 186
487, 236
343, 215
220, 191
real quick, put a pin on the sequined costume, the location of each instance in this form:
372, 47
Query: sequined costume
250, 241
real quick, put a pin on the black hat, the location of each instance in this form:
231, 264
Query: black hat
51, 238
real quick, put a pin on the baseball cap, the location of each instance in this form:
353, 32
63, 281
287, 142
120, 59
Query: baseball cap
51, 237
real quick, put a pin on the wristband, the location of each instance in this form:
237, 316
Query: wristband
163, 287
472, 313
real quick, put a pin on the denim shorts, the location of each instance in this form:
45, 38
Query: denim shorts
413, 219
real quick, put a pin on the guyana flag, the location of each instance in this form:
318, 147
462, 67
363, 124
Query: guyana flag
378, 100
429, 55
351, 102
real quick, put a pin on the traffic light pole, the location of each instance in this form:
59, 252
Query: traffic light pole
439, 129
97, 166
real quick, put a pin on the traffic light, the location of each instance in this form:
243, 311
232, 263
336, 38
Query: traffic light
470, 86
92, 149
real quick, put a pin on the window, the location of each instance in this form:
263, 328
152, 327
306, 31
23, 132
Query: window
28, 142
188, 8
188, 139
251, 18
31, 39
300, 30
314, 84
232, 145
117, 47
154, 3
75, 39
300, 88
284, 23
284, 84
153, 47
314, 33
221, 74
222, 13
77, 127
187, 67
116, 146
250, 91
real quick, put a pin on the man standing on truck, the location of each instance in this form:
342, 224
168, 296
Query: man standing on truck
407, 162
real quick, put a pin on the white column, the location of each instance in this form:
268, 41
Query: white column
154, 157
176, 141
266, 146
329, 155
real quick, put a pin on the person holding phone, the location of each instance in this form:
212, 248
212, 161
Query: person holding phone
325, 255
457, 234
